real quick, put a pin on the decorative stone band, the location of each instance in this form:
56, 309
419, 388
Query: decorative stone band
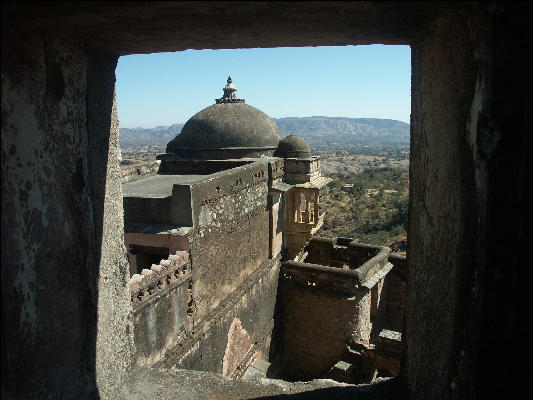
225, 100
153, 280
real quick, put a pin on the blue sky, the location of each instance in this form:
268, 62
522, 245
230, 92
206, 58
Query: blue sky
350, 81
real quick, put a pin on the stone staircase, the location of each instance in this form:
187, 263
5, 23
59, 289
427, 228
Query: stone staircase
366, 364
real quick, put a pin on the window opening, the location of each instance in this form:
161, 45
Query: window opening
366, 203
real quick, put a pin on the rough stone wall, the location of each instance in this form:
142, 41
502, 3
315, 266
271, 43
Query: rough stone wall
376, 307
317, 328
158, 325
442, 206
499, 135
56, 195
470, 148
301, 170
148, 28
223, 260
395, 288
338, 252
231, 238
234, 281
114, 340
211, 341
238, 347
323, 309
153, 210
47, 230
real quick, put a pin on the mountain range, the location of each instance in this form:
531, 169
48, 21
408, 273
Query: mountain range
317, 127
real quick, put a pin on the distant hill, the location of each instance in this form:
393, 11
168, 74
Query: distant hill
325, 126
338, 128
160, 135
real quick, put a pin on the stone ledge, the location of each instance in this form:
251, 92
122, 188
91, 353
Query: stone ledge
166, 384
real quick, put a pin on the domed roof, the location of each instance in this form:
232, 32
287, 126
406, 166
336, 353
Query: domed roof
293, 147
231, 126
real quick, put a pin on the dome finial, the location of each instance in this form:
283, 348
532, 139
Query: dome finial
229, 94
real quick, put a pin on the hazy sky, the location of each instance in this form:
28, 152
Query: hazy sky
350, 81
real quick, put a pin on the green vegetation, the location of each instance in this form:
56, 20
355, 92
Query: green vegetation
370, 206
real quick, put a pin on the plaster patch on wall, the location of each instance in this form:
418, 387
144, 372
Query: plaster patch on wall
239, 344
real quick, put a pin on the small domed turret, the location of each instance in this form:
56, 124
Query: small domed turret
293, 147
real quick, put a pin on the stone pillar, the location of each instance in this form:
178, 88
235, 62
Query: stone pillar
316, 209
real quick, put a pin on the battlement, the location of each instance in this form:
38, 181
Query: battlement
149, 282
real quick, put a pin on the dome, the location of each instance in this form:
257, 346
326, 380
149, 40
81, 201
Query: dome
228, 129
293, 147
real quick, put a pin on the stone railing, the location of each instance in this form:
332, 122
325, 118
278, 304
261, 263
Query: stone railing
151, 281
320, 277
341, 251
346, 280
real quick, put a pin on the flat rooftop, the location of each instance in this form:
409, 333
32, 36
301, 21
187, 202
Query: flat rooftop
158, 185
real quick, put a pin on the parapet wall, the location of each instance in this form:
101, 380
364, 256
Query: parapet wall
162, 303
339, 252
317, 327
134, 171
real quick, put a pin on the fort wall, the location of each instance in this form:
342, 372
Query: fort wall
236, 332
225, 324
231, 233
